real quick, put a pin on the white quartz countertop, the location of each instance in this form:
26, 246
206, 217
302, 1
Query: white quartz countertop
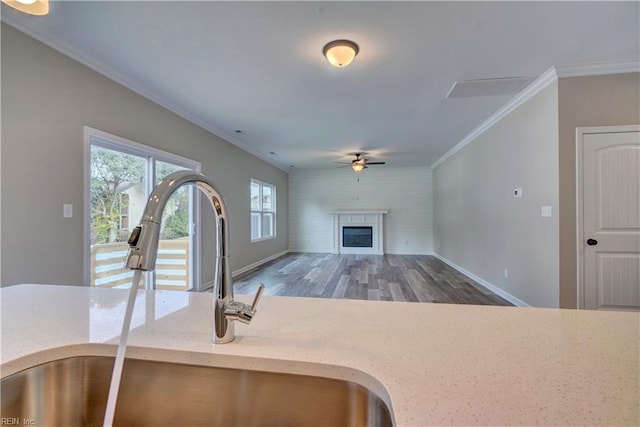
434, 364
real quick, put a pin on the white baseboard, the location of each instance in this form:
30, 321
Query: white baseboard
206, 286
257, 263
234, 274
493, 288
331, 251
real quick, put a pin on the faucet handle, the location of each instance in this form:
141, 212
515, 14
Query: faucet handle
256, 299
243, 312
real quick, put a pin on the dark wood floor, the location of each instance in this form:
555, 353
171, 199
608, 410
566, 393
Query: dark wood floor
419, 278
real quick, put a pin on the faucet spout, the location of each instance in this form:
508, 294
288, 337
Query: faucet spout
144, 240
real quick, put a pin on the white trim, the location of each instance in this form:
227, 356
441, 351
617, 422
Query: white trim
580, 133
137, 149
608, 129
205, 286
547, 78
262, 239
579, 208
256, 264
86, 206
599, 69
360, 211
136, 87
493, 288
532, 89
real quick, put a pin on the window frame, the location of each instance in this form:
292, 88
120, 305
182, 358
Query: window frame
95, 137
262, 212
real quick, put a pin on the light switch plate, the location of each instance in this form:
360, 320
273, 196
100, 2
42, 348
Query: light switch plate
67, 210
545, 211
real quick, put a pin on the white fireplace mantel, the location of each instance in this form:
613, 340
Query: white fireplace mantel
360, 211
359, 217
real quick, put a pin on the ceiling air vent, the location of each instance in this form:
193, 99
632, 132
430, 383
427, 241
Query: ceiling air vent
489, 87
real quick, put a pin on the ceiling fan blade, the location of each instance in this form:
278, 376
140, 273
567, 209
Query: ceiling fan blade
359, 161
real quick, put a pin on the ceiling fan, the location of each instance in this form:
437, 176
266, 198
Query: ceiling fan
360, 163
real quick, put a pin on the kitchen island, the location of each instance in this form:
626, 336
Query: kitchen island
433, 364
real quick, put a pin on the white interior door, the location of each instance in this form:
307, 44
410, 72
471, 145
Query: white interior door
610, 234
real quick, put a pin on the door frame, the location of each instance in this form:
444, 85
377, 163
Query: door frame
132, 147
580, 133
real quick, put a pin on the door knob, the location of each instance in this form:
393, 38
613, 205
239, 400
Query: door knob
592, 242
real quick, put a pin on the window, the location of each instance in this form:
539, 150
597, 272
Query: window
119, 178
263, 210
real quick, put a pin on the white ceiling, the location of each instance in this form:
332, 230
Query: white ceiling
258, 66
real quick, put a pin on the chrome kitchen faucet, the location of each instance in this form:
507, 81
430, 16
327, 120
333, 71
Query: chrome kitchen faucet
143, 250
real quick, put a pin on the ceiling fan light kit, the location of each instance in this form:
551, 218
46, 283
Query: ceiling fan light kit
358, 167
360, 163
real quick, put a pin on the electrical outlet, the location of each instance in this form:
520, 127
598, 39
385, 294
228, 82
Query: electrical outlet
506, 273
67, 210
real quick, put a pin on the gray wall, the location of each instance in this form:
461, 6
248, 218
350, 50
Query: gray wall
47, 98
478, 223
586, 101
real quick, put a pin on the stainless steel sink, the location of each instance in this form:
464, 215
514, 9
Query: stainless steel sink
73, 392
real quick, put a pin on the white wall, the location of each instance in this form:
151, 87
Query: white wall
405, 192
47, 98
478, 223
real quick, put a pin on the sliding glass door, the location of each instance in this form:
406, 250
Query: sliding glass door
121, 175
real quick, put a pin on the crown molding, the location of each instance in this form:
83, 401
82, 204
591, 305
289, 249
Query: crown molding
547, 78
137, 87
599, 69
550, 76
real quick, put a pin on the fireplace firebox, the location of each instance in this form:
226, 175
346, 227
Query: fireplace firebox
357, 237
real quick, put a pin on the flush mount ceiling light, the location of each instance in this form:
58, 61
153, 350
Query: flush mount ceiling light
32, 7
340, 53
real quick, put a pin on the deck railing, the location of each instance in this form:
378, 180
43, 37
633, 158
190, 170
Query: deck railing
172, 265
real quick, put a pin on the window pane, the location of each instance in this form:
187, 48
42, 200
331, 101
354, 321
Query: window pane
267, 224
255, 196
175, 217
117, 182
163, 169
172, 265
267, 198
263, 200
255, 226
